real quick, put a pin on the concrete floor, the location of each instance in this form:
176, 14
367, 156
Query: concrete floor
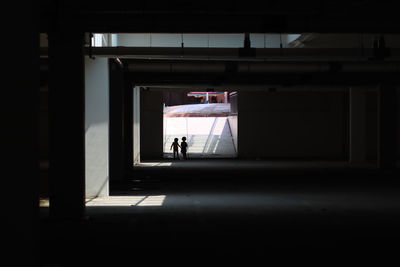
227, 164
223, 210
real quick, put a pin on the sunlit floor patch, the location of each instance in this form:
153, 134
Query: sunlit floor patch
153, 164
126, 201
152, 201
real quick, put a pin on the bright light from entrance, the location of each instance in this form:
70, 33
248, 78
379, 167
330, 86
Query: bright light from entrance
126, 201
207, 119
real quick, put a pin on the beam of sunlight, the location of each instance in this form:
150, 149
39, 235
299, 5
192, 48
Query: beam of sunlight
114, 201
152, 201
126, 201
155, 164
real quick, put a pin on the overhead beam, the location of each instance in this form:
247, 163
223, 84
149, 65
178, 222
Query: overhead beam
168, 66
262, 79
233, 54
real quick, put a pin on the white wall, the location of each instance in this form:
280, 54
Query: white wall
271, 40
96, 126
233, 124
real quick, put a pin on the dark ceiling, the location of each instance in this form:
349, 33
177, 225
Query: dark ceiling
222, 16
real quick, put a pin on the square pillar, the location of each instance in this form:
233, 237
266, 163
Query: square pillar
136, 124
151, 124
128, 124
96, 127
66, 122
387, 127
358, 111
116, 133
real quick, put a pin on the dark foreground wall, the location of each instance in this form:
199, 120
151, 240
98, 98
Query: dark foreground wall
293, 125
151, 125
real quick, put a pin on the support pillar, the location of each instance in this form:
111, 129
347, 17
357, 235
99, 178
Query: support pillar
387, 127
96, 126
66, 122
20, 135
358, 112
136, 124
128, 124
116, 132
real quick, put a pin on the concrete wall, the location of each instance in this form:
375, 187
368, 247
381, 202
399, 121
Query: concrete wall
292, 125
151, 125
96, 126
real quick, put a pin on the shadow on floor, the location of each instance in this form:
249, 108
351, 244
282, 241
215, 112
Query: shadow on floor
225, 209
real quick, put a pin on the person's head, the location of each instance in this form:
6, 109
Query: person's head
176, 140
183, 138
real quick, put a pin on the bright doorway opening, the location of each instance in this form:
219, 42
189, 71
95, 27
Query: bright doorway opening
207, 119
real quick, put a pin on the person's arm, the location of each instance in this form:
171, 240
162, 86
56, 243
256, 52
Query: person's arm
171, 146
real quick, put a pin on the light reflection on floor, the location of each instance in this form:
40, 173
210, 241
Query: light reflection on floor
124, 201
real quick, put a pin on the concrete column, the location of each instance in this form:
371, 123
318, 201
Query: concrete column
116, 133
387, 126
128, 124
151, 124
20, 135
66, 121
96, 126
358, 110
136, 124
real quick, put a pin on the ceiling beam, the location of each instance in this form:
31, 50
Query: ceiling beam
234, 54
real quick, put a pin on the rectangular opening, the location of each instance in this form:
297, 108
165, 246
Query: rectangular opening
207, 119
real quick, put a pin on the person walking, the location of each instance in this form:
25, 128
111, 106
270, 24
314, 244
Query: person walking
184, 147
175, 145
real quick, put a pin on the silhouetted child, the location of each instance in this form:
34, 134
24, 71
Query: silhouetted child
184, 147
175, 145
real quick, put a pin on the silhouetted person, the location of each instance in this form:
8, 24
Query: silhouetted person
175, 145
184, 147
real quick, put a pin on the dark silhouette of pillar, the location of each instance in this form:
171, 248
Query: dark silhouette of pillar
128, 123
358, 112
387, 126
116, 130
66, 120
20, 134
